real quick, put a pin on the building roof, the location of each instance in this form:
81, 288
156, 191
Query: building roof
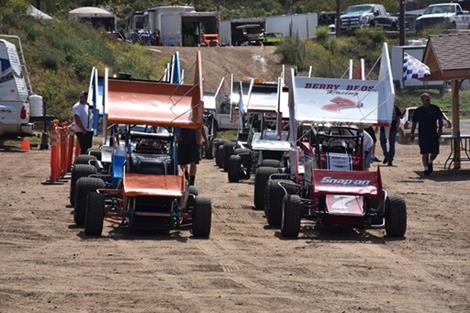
90, 12
448, 56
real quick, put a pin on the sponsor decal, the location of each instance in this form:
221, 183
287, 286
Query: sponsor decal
340, 103
345, 182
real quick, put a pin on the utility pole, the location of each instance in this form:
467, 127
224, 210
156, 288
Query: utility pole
402, 23
338, 22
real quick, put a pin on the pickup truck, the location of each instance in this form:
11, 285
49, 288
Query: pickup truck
450, 15
365, 15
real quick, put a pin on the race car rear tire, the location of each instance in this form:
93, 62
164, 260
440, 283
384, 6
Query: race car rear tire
291, 216
202, 217
395, 216
79, 170
229, 148
234, 168
84, 159
96, 152
84, 186
271, 163
94, 214
261, 177
275, 191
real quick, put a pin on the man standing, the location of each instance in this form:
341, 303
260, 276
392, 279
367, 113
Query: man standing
428, 116
189, 141
389, 152
81, 119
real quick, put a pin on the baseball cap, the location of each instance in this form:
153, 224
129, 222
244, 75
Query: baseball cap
425, 94
83, 93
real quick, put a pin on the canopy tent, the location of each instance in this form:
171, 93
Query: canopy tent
96, 16
448, 59
89, 12
36, 13
334, 100
155, 103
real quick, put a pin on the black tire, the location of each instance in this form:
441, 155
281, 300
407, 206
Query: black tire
271, 163
395, 216
96, 152
219, 155
84, 159
229, 148
242, 151
78, 171
261, 177
275, 191
234, 168
94, 214
84, 186
291, 216
202, 217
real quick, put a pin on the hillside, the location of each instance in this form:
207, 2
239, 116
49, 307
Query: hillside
60, 55
229, 8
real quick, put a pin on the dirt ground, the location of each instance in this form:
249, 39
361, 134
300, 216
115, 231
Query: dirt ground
47, 265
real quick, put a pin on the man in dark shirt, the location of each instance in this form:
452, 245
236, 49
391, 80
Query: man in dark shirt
428, 116
389, 152
189, 141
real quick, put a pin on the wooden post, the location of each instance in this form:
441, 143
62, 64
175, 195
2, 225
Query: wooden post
456, 122
337, 21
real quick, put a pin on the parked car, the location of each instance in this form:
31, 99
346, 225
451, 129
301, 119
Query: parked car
365, 15
272, 38
449, 15
404, 131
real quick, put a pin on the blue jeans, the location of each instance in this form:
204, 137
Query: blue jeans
389, 152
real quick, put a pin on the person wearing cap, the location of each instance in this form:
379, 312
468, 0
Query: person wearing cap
81, 119
428, 117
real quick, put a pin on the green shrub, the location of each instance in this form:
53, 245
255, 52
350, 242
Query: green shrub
49, 60
323, 35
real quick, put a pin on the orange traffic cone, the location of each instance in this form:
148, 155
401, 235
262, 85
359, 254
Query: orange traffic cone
25, 144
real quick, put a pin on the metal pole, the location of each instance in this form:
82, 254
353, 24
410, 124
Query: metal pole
338, 12
402, 23
456, 122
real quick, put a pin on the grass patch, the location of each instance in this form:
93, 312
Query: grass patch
60, 55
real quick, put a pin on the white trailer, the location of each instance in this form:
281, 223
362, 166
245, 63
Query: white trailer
302, 26
15, 93
397, 55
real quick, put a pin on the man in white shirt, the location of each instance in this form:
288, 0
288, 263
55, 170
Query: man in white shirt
81, 119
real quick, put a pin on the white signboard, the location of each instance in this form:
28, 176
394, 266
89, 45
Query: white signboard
345, 100
338, 100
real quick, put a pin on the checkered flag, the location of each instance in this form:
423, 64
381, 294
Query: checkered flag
413, 68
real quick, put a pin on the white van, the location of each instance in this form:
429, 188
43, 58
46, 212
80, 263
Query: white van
14, 94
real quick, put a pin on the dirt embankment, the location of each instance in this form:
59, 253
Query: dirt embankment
258, 62
48, 265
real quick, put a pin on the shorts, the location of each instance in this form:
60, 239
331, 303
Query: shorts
85, 140
429, 144
188, 153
